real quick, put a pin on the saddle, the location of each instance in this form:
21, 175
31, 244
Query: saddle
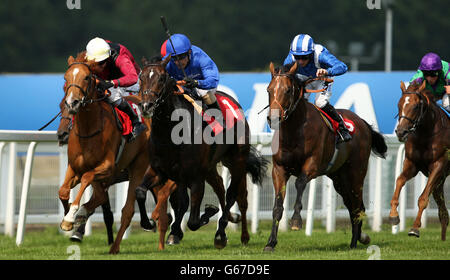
334, 125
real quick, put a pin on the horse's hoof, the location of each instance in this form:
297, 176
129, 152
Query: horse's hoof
66, 226
394, 220
114, 250
76, 237
173, 240
220, 242
234, 218
364, 238
149, 225
296, 224
269, 249
414, 232
210, 210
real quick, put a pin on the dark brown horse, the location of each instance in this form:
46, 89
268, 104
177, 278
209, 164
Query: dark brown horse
303, 146
425, 129
189, 162
93, 147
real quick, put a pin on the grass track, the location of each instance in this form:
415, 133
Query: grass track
49, 244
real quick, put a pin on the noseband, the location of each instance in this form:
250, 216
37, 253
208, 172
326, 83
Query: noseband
423, 110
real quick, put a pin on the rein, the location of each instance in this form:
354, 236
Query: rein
84, 101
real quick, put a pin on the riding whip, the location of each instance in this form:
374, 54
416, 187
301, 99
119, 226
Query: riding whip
166, 28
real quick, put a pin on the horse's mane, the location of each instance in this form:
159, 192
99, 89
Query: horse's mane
81, 57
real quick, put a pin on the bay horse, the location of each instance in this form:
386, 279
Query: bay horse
189, 163
93, 146
304, 146
425, 130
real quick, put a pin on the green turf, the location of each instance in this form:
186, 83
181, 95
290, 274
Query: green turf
49, 244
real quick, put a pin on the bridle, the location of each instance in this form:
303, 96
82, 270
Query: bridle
92, 80
423, 110
296, 86
163, 94
291, 93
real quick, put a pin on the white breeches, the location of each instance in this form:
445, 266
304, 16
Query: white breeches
119, 92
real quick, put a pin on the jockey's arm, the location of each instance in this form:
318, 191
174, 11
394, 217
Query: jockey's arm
332, 65
130, 77
211, 76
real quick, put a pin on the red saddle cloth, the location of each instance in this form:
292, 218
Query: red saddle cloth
230, 111
125, 120
348, 123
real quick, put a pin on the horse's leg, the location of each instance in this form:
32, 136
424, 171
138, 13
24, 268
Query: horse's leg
409, 171
436, 177
280, 178
99, 197
300, 185
243, 205
438, 195
180, 203
160, 212
197, 192
213, 178
70, 181
141, 196
108, 218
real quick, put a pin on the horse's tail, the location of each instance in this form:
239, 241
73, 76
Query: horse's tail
379, 146
256, 166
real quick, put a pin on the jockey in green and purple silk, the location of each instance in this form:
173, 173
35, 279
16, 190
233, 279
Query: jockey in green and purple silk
436, 73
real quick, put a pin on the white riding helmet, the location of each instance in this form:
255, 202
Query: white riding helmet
97, 49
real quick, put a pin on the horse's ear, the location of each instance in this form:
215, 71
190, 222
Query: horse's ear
166, 60
422, 86
272, 68
402, 87
70, 60
144, 60
293, 68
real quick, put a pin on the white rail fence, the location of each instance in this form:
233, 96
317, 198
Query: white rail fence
32, 167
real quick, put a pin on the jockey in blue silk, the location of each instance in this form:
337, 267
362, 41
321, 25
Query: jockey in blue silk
315, 60
202, 74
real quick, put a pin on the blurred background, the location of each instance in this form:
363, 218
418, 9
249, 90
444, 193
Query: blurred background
38, 36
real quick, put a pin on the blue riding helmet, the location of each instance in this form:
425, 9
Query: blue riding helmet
180, 42
302, 44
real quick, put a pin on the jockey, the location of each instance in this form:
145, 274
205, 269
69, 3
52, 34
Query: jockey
437, 76
314, 60
201, 72
120, 73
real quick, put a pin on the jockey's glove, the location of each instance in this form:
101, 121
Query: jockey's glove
190, 83
104, 85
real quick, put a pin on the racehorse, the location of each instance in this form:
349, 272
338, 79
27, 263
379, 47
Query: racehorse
424, 128
304, 146
108, 217
93, 146
189, 163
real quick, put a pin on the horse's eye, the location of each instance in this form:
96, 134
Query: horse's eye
87, 78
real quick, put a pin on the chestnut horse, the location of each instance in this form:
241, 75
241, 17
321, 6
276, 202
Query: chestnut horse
425, 129
189, 163
303, 146
108, 217
93, 145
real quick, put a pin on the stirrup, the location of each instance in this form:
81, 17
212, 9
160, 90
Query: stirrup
137, 130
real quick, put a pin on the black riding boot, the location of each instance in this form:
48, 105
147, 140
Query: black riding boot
138, 127
343, 131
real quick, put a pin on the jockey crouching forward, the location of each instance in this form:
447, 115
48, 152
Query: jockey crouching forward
435, 72
195, 67
316, 61
119, 72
